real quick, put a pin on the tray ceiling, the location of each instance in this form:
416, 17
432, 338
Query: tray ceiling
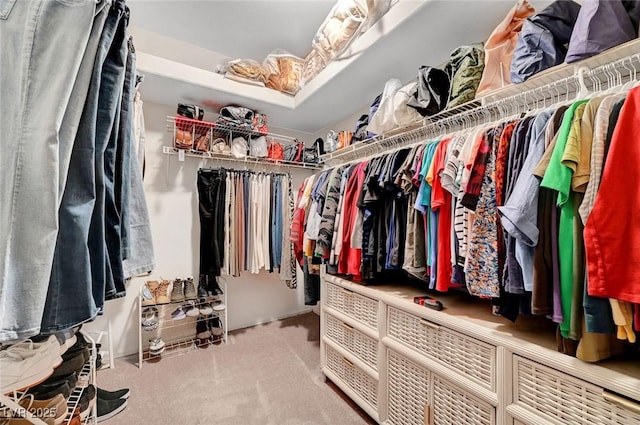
179, 44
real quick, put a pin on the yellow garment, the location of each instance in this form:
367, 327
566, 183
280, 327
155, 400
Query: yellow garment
623, 318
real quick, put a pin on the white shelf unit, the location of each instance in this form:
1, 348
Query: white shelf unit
462, 365
179, 335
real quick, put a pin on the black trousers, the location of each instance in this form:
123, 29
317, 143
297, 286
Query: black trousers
211, 190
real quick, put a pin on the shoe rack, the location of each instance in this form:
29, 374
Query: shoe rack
86, 377
179, 335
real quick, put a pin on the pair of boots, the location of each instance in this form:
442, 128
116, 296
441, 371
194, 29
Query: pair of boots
208, 285
155, 292
209, 330
183, 290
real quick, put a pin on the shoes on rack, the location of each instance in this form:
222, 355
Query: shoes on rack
177, 291
87, 401
215, 327
205, 308
114, 395
178, 314
202, 287
27, 364
109, 408
189, 289
53, 409
156, 344
191, 310
53, 386
72, 364
214, 287
150, 318
203, 334
149, 292
218, 305
161, 292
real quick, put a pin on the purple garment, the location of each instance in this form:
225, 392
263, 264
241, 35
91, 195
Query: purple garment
601, 24
557, 302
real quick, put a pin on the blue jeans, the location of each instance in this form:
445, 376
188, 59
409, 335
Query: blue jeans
107, 273
71, 256
36, 85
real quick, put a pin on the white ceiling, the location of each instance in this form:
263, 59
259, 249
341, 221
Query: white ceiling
180, 43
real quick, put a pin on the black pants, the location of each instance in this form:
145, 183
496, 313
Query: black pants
211, 190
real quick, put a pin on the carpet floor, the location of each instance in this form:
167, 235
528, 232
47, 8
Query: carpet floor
265, 375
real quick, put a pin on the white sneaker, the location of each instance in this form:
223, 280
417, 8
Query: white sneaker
50, 346
21, 369
156, 344
218, 306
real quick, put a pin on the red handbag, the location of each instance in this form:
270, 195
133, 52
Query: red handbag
275, 150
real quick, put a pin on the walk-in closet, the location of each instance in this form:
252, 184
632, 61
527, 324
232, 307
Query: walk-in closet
354, 212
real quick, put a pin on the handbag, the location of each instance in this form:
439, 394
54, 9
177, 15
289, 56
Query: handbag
432, 92
275, 150
294, 152
259, 123
237, 116
239, 147
258, 147
203, 142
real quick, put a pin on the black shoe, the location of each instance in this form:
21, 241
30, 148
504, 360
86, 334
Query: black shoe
114, 395
202, 331
87, 399
214, 288
202, 291
46, 394
73, 364
216, 330
109, 408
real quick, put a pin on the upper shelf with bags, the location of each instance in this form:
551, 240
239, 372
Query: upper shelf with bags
239, 134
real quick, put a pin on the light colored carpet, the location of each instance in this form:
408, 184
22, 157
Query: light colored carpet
265, 375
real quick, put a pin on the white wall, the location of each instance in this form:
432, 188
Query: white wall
170, 187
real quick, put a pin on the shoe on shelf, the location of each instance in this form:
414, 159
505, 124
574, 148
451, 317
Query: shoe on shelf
177, 291
21, 368
161, 292
191, 310
202, 331
149, 318
53, 408
156, 344
205, 308
148, 292
87, 401
215, 327
202, 287
52, 386
71, 364
189, 289
107, 409
214, 288
114, 395
218, 305
178, 314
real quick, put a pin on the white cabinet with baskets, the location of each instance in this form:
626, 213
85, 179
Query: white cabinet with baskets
407, 364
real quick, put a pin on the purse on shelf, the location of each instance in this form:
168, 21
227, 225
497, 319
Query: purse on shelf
183, 138
203, 142
239, 147
294, 152
275, 150
258, 147
259, 123
237, 116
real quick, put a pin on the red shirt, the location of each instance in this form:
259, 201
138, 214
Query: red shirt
441, 201
612, 231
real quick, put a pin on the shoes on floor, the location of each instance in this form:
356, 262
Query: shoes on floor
114, 395
177, 291
189, 289
107, 409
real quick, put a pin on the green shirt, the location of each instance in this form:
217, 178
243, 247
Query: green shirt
558, 177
